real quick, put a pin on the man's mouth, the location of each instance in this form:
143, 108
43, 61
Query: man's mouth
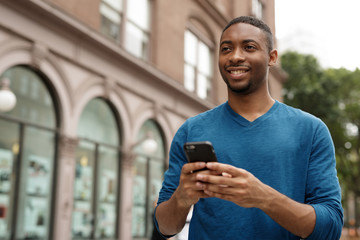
238, 71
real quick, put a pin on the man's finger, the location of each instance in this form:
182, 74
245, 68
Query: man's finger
191, 167
225, 168
217, 180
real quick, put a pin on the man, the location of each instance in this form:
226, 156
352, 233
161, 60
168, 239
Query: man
276, 176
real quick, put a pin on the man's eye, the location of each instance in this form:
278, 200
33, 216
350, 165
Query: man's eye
225, 49
250, 47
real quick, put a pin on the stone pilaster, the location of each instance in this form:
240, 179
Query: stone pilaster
65, 183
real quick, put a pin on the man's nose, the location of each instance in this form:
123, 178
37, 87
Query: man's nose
237, 56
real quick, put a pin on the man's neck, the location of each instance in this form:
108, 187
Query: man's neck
251, 106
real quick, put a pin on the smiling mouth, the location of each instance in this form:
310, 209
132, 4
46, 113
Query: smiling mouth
236, 72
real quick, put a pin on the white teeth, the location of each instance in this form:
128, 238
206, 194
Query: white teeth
237, 71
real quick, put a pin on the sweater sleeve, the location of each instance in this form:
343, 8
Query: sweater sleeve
176, 161
171, 178
322, 189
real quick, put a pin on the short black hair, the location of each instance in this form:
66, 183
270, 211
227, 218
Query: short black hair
257, 23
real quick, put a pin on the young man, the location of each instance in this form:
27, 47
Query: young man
276, 176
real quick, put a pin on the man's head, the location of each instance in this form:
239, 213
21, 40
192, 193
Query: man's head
246, 53
257, 23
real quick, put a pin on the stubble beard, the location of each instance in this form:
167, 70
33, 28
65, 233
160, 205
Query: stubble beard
244, 90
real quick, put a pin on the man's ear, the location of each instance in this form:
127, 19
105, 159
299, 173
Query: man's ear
273, 56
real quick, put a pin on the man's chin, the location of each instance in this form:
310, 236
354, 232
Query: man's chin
239, 89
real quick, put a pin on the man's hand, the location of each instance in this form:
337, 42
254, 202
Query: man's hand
233, 184
190, 189
171, 215
241, 187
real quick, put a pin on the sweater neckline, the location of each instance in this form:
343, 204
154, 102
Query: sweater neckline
243, 121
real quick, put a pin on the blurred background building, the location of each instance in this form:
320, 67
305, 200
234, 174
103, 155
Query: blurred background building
101, 87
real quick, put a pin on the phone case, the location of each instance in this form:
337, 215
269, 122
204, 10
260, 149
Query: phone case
200, 152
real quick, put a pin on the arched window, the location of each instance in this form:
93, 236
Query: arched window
148, 175
27, 157
97, 174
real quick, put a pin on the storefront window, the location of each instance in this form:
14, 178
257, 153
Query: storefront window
148, 176
27, 153
35, 183
96, 174
9, 139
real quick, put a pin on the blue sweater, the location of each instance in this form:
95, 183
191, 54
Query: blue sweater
286, 148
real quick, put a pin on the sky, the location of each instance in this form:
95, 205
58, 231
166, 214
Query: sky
327, 29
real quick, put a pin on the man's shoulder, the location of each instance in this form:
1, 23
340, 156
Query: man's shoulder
209, 115
297, 113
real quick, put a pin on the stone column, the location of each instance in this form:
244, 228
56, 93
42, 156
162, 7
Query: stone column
126, 195
65, 187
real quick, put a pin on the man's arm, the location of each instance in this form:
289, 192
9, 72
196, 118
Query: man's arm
297, 218
246, 190
171, 214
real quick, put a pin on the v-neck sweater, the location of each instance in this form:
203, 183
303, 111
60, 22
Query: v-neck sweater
286, 148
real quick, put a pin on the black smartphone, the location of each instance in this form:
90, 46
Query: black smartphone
200, 152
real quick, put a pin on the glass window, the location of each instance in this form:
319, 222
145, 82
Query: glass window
136, 41
9, 148
137, 28
190, 48
136, 20
27, 158
110, 11
33, 104
107, 185
96, 174
138, 13
257, 8
83, 190
115, 4
98, 123
198, 66
35, 184
148, 176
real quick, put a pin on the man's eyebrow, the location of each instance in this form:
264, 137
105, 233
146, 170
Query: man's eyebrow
249, 41
226, 42
244, 41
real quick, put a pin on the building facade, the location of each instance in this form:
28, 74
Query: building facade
102, 86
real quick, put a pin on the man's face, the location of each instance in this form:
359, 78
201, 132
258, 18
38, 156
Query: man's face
244, 58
